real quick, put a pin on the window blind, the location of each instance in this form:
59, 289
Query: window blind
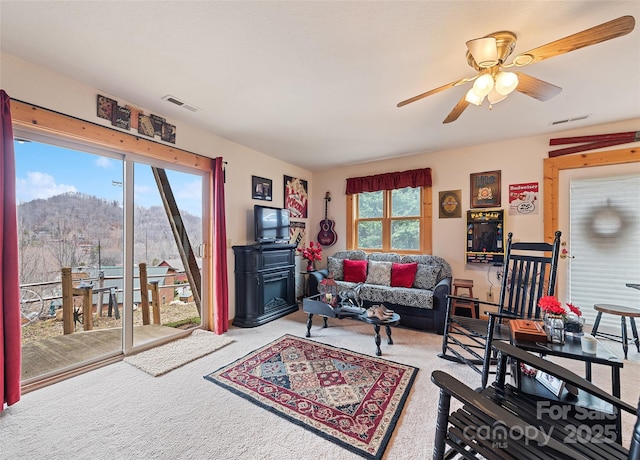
604, 245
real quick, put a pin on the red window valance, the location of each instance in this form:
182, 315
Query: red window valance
389, 181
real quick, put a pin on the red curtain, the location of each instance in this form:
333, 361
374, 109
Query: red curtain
10, 326
220, 279
389, 181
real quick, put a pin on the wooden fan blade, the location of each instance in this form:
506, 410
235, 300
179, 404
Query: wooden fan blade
457, 110
612, 29
434, 91
536, 88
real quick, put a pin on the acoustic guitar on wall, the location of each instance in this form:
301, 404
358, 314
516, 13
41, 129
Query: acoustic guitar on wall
327, 236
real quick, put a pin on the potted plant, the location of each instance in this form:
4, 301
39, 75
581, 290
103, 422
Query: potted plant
557, 320
311, 254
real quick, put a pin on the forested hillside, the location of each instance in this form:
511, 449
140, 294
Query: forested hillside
74, 229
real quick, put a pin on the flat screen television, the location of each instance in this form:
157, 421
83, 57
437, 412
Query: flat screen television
271, 224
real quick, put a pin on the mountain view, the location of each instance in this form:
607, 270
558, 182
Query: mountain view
75, 229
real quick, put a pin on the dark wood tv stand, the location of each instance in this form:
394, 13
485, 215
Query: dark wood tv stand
265, 283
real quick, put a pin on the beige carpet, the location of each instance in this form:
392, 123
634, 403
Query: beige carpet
165, 358
118, 412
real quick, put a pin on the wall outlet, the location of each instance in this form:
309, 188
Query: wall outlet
489, 296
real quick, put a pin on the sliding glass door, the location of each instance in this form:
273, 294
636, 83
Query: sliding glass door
167, 231
70, 224
108, 254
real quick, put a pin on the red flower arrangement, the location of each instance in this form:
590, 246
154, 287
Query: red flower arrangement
549, 304
312, 253
575, 310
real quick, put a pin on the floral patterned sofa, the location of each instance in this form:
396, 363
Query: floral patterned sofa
415, 286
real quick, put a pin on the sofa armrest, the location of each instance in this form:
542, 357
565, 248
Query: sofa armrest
314, 279
440, 293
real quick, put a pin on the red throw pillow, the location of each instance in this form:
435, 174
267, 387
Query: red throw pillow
402, 275
355, 270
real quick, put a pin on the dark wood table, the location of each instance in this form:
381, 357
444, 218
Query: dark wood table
572, 349
313, 305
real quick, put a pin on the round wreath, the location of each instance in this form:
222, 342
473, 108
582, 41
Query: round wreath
606, 222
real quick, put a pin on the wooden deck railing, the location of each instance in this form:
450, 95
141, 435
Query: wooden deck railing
87, 290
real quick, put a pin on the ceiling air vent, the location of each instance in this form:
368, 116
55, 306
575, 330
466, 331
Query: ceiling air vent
178, 102
570, 120
190, 107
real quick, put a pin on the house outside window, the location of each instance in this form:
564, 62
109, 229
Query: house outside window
394, 218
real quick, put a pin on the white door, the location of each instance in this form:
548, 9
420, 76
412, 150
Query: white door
601, 235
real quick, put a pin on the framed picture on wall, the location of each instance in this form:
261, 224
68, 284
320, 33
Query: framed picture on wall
157, 124
485, 189
261, 188
121, 117
105, 107
450, 204
145, 125
168, 133
295, 197
297, 234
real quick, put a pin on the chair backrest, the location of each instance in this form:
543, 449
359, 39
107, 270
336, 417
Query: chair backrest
529, 272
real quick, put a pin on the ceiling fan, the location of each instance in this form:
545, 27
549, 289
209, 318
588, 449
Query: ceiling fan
488, 55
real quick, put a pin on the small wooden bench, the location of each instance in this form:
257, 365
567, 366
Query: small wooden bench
623, 312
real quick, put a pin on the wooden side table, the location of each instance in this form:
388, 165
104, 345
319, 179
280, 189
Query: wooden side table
305, 284
466, 290
623, 312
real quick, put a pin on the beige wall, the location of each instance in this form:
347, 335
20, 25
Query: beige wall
520, 160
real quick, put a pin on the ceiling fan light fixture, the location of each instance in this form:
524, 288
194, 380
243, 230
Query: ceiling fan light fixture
506, 83
494, 97
484, 51
483, 85
522, 60
473, 98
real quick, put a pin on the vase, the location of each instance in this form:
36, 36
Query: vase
554, 325
574, 323
311, 266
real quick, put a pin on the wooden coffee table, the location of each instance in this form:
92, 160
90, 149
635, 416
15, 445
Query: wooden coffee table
314, 306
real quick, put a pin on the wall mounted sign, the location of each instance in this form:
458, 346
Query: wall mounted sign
297, 234
523, 199
105, 107
450, 204
121, 117
485, 189
261, 188
145, 125
295, 197
125, 117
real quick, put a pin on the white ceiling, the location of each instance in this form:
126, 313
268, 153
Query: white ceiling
316, 83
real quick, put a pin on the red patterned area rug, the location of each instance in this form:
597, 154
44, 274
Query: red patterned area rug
348, 398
